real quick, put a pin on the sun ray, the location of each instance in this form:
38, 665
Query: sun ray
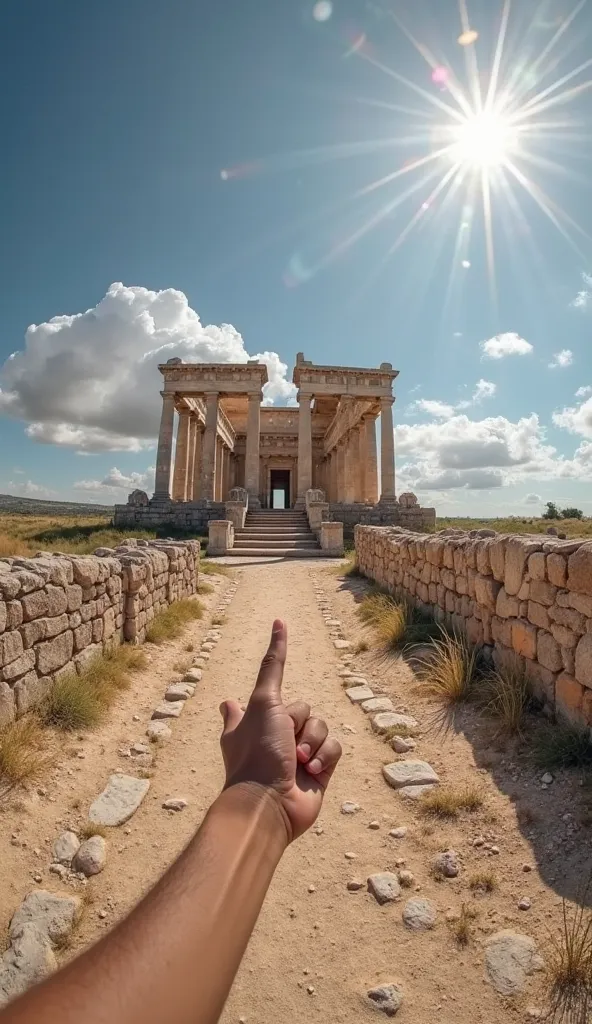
471, 59
562, 29
546, 205
497, 59
487, 219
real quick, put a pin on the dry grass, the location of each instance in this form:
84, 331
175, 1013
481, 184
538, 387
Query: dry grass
213, 568
81, 701
78, 535
182, 665
462, 928
569, 967
448, 670
361, 647
170, 623
520, 524
404, 731
507, 698
397, 623
219, 620
447, 802
205, 588
484, 881
89, 829
558, 745
24, 760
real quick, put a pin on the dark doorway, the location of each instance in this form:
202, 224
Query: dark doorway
280, 488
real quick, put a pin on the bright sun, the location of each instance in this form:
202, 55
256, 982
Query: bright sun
483, 140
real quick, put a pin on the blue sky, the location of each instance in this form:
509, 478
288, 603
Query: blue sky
271, 165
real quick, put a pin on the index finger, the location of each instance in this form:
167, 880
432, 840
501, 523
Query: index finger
271, 673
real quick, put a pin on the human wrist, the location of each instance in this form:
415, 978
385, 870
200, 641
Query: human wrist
257, 802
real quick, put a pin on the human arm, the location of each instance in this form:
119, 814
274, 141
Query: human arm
174, 958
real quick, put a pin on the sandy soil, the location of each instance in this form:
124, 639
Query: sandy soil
338, 943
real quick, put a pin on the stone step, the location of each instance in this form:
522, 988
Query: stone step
262, 542
252, 533
276, 553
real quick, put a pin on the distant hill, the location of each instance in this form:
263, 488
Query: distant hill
38, 507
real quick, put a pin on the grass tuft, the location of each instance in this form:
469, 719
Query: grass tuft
447, 802
483, 881
448, 670
170, 623
361, 647
80, 701
507, 697
205, 588
404, 731
213, 568
462, 928
219, 620
557, 745
569, 967
89, 829
22, 757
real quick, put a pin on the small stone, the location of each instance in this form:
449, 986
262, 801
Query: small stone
495, 850
349, 807
479, 841
446, 864
509, 958
65, 848
385, 887
415, 793
170, 709
355, 885
102, 914
377, 704
402, 744
419, 915
358, 694
374, 825
398, 833
341, 645
91, 857
407, 879
409, 773
179, 691
310, 989
193, 675
318, 830
524, 903
527, 867
386, 720
207, 647
120, 799
175, 803
140, 748
350, 856
199, 661
136, 718
387, 998
547, 779
158, 731
58, 869
37, 878
312, 888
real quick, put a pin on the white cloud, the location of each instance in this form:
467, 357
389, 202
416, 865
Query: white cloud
116, 480
533, 499
561, 359
440, 410
90, 380
577, 419
583, 391
508, 344
28, 489
584, 297
443, 411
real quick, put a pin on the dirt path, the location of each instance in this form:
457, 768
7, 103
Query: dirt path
317, 947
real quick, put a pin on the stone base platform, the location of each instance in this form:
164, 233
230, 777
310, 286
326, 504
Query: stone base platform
412, 517
190, 516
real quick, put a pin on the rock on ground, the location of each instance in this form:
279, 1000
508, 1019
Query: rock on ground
91, 857
53, 914
349, 807
193, 675
28, 959
377, 704
158, 731
509, 958
384, 886
121, 797
169, 709
419, 915
410, 773
414, 792
391, 720
179, 691
175, 803
357, 694
402, 744
387, 998
65, 848
446, 864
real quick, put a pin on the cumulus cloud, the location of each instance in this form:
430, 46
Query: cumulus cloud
443, 411
577, 419
440, 410
561, 359
509, 344
90, 380
584, 296
115, 480
533, 499
28, 489
583, 391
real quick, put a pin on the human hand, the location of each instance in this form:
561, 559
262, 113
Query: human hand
280, 748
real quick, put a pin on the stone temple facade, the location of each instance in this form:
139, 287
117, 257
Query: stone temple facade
222, 438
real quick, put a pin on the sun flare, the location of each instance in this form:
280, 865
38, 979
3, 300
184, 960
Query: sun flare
484, 140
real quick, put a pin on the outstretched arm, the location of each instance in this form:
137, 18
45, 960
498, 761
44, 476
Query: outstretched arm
175, 957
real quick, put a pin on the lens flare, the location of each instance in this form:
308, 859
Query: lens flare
484, 139
468, 37
322, 10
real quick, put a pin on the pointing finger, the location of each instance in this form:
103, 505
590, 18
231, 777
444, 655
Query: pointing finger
269, 680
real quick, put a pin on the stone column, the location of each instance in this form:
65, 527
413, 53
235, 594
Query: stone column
370, 460
225, 472
387, 449
208, 452
162, 478
252, 453
197, 464
355, 452
349, 481
304, 446
219, 468
181, 456
341, 465
333, 476
190, 458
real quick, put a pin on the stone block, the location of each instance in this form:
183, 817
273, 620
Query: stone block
32, 632
97, 627
30, 691
482, 560
486, 591
542, 592
73, 597
548, 652
497, 557
506, 607
82, 637
563, 635
582, 603
35, 605
54, 654
568, 617
537, 566
56, 600
19, 667
85, 570
59, 624
518, 552
541, 681
474, 631
524, 639
569, 694
74, 620
538, 615
556, 569
14, 614
568, 656
584, 660
501, 630
108, 623
7, 705
10, 585
580, 569
331, 539
11, 647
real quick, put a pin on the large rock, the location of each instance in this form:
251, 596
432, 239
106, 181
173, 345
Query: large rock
410, 773
386, 998
580, 569
158, 731
169, 709
358, 694
65, 848
7, 705
386, 720
584, 660
54, 654
384, 886
446, 864
377, 704
28, 959
419, 915
91, 857
121, 798
517, 551
53, 914
179, 691
509, 959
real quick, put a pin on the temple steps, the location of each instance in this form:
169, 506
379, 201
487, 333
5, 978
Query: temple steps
277, 533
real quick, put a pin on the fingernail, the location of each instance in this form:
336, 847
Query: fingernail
304, 751
315, 766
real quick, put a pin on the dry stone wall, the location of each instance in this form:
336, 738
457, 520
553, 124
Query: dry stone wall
525, 597
58, 611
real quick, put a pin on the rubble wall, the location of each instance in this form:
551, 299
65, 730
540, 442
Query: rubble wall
525, 597
58, 611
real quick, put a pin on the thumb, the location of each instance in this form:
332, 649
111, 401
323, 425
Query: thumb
232, 713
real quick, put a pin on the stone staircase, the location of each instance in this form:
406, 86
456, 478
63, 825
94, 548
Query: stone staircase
283, 533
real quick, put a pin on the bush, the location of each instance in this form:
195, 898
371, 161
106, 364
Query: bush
22, 758
507, 697
80, 701
170, 623
448, 669
555, 745
572, 513
551, 512
569, 966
